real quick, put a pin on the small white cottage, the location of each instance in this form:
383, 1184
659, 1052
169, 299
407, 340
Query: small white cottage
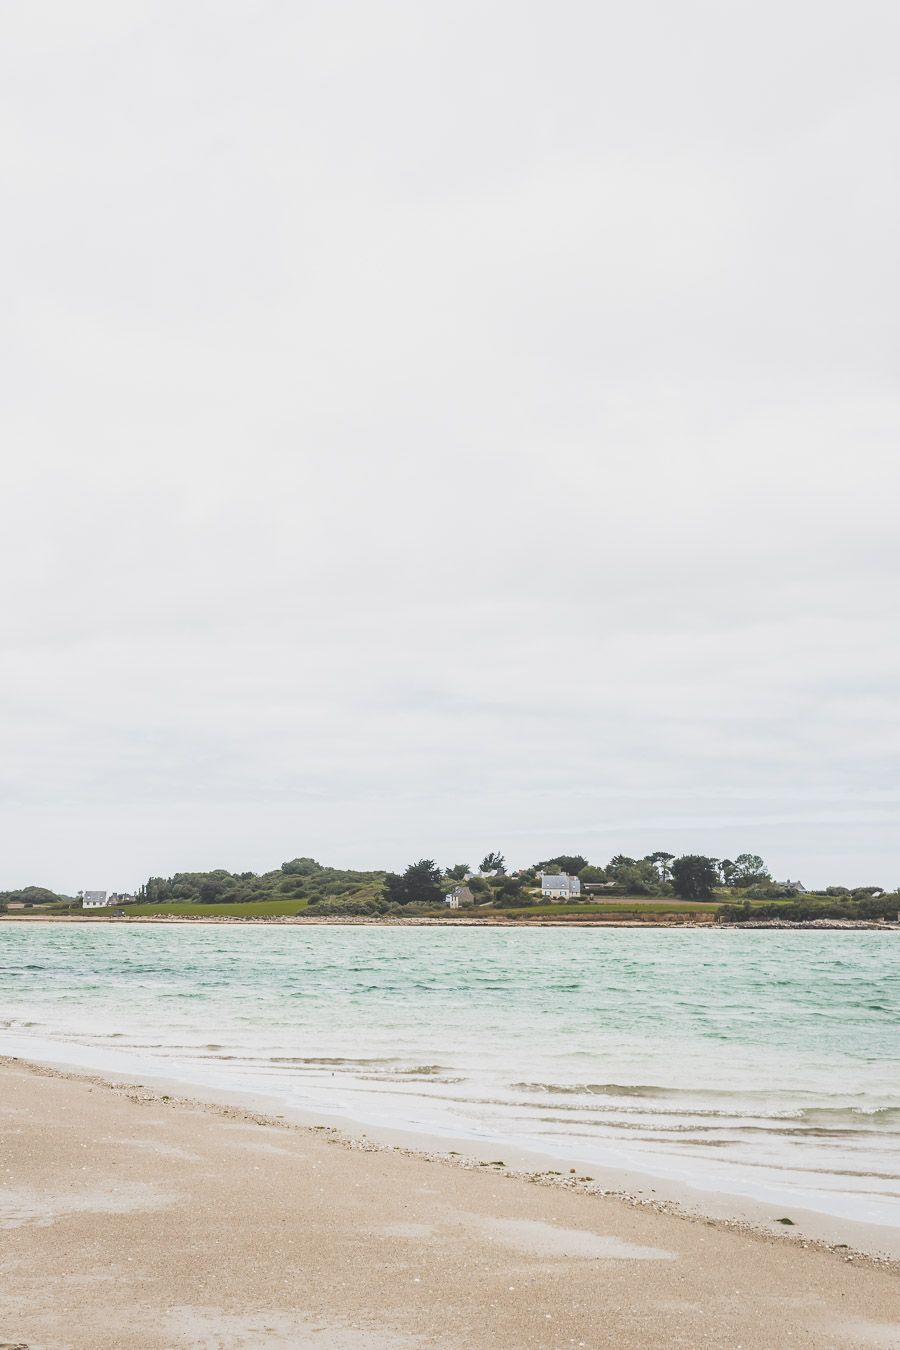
560, 886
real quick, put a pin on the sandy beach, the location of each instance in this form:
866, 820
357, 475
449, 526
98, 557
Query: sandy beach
134, 1220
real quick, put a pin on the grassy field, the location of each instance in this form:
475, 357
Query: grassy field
621, 905
278, 908
252, 909
641, 904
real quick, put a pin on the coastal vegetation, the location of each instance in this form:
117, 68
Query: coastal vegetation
34, 895
300, 880
694, 877
246, 909
866, 908
735, 890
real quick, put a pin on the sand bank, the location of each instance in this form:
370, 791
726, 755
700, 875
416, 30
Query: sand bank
648, 922
131, 1220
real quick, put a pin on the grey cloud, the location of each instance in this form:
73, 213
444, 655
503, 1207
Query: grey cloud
430, 427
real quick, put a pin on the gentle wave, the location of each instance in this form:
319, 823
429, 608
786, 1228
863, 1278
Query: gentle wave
745, 1062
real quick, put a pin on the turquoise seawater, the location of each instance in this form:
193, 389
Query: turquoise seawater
762, 1064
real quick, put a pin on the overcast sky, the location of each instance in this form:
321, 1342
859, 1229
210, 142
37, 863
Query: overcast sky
437, 427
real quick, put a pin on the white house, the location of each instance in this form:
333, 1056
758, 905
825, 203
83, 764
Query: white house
93, 899
560, 886
460, 898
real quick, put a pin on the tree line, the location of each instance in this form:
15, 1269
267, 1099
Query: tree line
692, 876
425, 885
689, 877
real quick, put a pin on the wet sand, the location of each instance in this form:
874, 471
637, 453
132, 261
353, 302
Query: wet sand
128, 1219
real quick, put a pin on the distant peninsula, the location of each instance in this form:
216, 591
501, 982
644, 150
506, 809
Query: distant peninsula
659, 888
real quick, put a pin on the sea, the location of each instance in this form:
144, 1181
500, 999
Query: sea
762, 1065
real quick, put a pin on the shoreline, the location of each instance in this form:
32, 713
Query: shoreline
744, 1187
143, 1221
864, 1240
493, 921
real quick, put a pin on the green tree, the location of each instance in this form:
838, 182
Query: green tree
211, 890
570, 863
636, 878
592, 874
394, 890
457, 872
420, 884
493, 862
661, 862
694, 876
299, 867
750, 870
509, 891
728, 870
